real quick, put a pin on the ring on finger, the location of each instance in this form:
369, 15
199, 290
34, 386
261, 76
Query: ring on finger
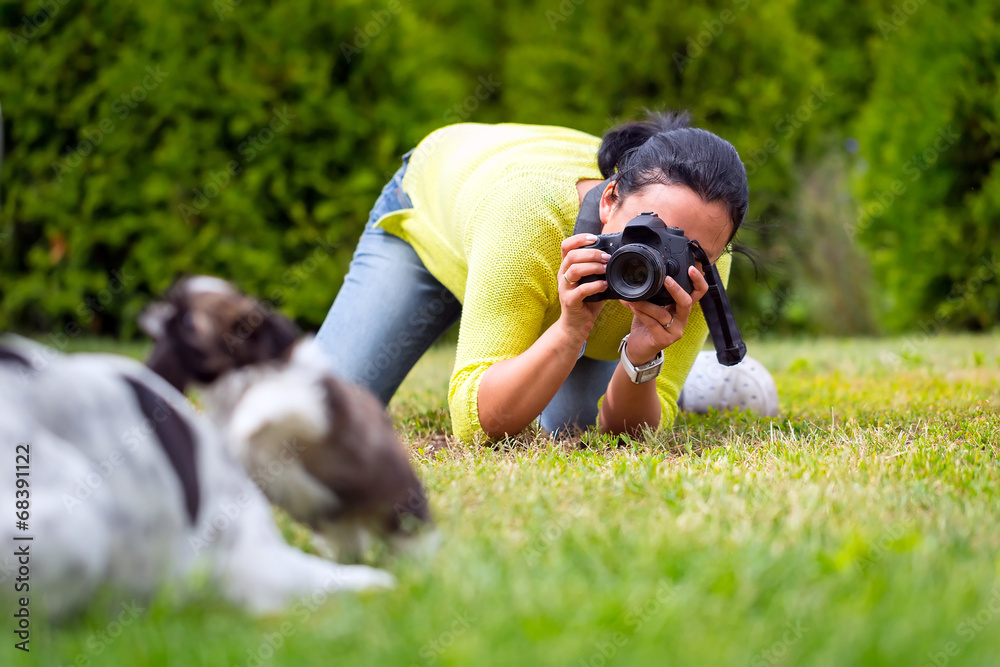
568, 281
667, 325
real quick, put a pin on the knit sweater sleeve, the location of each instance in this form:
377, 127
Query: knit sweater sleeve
512, 245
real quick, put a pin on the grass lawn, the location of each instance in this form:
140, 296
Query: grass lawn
861, 527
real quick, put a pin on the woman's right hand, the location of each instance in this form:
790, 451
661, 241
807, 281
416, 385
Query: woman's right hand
577, 317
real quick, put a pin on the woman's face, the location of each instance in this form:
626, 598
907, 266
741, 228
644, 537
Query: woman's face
677, 206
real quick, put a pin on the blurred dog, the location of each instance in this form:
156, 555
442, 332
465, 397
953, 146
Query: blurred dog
124, 486
321, 449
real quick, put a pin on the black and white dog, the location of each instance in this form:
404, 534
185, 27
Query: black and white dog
320, 448
123, 485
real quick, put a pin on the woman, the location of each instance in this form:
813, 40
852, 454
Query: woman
479, 222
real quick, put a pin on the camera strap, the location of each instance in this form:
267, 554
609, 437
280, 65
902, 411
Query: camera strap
588, 221
729, 346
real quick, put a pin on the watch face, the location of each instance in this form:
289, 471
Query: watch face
647, 375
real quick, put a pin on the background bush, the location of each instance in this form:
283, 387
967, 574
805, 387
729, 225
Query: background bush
929, 178
250, 140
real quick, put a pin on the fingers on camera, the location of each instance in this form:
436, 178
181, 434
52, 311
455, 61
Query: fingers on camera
681, 298
582, 256
577, 241
578, 271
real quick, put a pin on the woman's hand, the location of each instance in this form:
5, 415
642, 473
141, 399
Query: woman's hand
577, 318
654, 328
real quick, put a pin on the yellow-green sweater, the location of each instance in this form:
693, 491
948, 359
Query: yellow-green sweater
491, 205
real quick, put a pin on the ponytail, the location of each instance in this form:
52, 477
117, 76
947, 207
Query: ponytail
624, 138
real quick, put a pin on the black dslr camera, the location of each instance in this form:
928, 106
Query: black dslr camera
642, 255
647, 251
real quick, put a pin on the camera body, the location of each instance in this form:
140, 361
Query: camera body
643, 254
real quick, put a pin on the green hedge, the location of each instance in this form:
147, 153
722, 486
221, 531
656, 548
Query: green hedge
249, 141
929, 173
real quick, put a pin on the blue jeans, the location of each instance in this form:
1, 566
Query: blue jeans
390, 310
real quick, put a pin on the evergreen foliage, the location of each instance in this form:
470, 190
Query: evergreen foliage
247, 140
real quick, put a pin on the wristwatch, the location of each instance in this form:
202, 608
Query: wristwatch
644, 373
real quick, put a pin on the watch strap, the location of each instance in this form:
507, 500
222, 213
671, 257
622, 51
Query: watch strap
643, 373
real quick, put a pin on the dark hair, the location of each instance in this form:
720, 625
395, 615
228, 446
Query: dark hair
664, 149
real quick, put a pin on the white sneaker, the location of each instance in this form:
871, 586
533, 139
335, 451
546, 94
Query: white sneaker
747, 386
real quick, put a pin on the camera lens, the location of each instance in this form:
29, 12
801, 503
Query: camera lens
635, 272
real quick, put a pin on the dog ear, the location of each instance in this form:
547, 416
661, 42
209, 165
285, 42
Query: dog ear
164, 360
180, 354
152, 320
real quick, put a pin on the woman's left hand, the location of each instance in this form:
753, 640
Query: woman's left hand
654, 328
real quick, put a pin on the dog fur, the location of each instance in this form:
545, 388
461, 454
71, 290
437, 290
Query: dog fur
131, 489
321, 449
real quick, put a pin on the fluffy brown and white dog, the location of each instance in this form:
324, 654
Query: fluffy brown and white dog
321, 449
121, 485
